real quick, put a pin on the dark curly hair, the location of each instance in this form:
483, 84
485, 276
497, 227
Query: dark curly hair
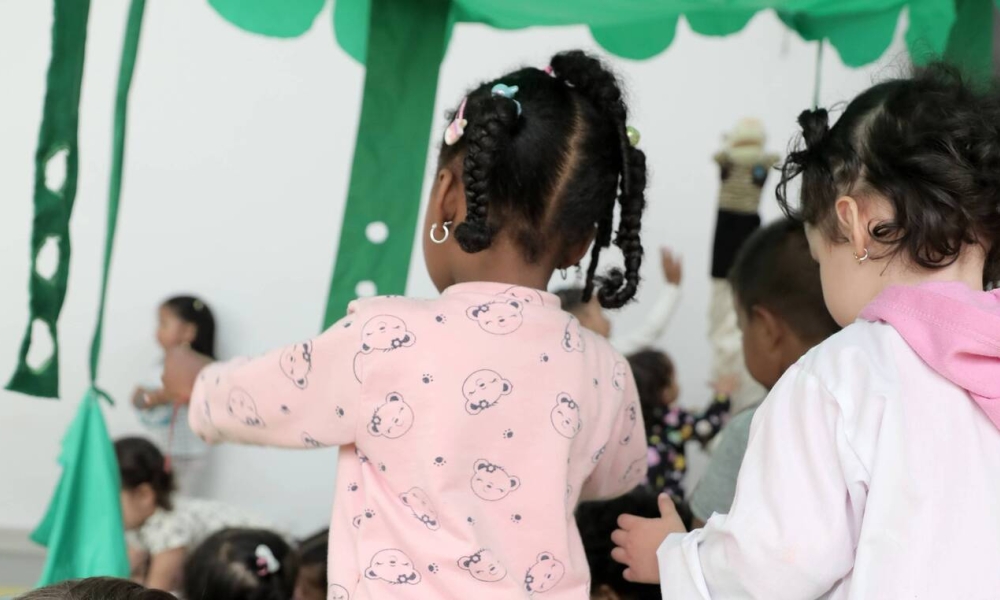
929, 144
225, 567
139, 462
192, 310
550, 176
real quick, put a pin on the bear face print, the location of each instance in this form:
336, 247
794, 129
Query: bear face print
242, 408
337, 592
393, 566
296, 362
566, 416
631, 417
392, 418
544, 575
526, 295
573, 337
483, 566
491, 482
385, 333
618, 377
483, 389
499, 318
423, 510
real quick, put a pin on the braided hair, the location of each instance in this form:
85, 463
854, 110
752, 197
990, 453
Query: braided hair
547, 167
930, 145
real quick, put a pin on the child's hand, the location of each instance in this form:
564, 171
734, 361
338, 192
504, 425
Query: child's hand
671, 266
638, 539
181, 367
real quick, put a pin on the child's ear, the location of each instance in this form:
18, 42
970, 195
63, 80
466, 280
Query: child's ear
852, 223
770, 328
447, 202
575, 253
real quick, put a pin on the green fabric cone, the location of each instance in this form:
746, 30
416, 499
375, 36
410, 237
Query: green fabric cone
82, 528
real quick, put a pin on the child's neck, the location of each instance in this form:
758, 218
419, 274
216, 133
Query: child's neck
504, 264
967, 269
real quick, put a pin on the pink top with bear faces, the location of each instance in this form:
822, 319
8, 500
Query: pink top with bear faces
470, 426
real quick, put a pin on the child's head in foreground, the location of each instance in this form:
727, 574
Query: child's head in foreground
779, 300
311, 583
96, 588
530, 172
597, 521
186, 320
904, 188
146, 483
241, 564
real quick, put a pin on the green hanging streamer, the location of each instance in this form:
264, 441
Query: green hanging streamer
406, 43
83, 528
56, 164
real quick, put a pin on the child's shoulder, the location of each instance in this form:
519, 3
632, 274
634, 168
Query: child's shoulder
861, 355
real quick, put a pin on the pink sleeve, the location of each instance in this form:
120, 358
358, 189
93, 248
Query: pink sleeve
623, 462
302, 395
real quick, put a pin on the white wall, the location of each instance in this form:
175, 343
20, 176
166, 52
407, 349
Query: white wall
238, 157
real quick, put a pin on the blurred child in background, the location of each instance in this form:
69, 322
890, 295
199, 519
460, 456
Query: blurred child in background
183, 320
241, 564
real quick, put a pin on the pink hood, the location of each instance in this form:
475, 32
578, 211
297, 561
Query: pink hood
954, 329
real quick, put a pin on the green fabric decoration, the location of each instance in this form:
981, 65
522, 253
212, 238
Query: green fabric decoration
971, 41
82, 527
275, 18
406, 45
57, 142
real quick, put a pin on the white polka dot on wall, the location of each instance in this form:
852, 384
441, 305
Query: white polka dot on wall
365, 289
377, 232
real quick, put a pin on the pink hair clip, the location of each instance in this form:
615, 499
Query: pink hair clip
550, 71
456, 129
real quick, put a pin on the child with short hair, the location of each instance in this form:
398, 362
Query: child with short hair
96, 588
780, 310
241, 564
161, 529
182, 320
311, 583
668, 426
871, 467
470, 425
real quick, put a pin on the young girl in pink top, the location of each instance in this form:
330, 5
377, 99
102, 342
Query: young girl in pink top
471, 425
873, 467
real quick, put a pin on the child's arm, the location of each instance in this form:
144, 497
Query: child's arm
623, 463
790, 531
707, 424
165, 569
302, 395
660, 313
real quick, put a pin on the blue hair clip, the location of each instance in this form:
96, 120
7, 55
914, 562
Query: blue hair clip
507, 91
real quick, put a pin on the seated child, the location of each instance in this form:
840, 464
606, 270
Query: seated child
596, 521
780, 309
241, 564
311, 583
669, 427
96, 588
592, 316
162, 529
182, 320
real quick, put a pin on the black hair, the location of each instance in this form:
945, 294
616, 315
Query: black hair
96, 588
548, 168
571, 299
139, 462
226, 567
654, 372
313, 553
929, 144
597, 521
194, 311
774, 270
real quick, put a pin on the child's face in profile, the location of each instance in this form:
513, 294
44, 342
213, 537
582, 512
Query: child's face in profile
173, 331
137, 505
672, 392
308, 583
762, 358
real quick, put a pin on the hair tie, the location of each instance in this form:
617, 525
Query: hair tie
456, 129
549, 71
266, 563
507, 91
633, 136
198, 305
